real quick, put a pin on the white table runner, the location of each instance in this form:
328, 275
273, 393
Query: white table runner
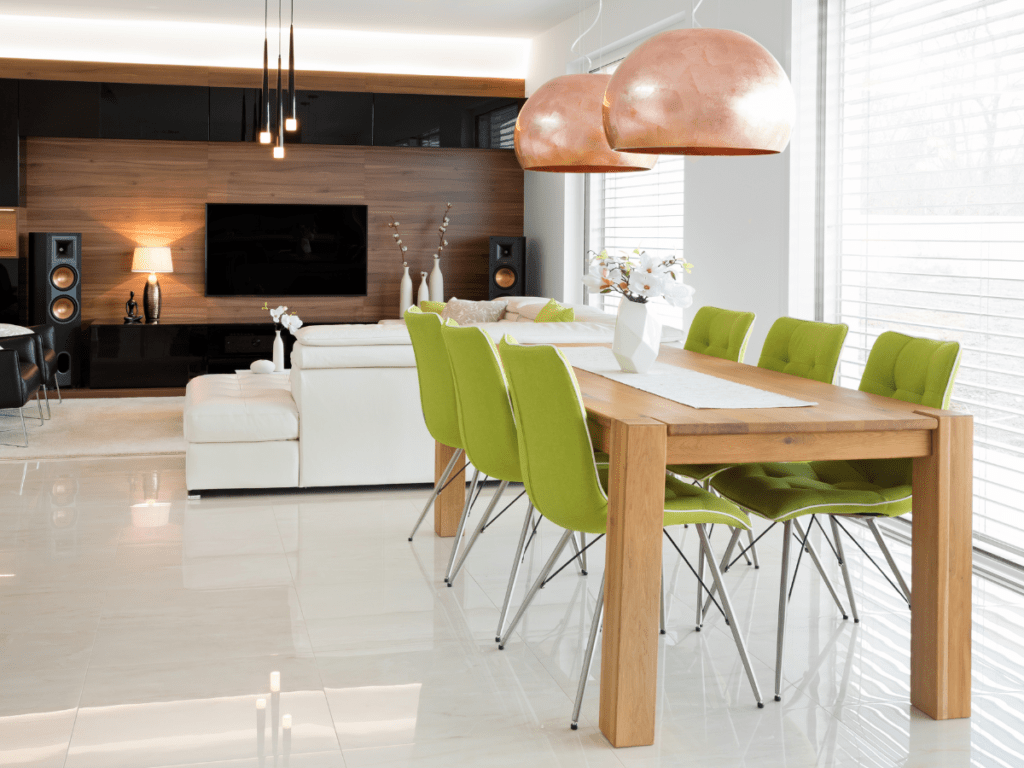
697, 390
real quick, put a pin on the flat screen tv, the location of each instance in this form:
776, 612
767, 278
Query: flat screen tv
285, 250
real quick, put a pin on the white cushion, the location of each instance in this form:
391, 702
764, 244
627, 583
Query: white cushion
243, 408
473, 312
385, 356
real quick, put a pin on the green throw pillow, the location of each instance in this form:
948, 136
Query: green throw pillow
437, 307
553, 312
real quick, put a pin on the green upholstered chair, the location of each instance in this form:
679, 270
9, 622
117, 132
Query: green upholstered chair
803, 348
720, 333
568, 488
437, 392
903, 367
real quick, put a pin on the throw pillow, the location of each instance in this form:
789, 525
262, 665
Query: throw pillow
473, 312
437, 307
553, 312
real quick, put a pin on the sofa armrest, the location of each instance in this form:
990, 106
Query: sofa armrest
25, 345
10, 379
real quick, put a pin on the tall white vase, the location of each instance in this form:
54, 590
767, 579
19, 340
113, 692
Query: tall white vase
436, 280
423, 294
278, 352
637, 337
405, 293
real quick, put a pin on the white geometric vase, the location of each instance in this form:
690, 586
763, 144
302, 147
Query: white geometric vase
637, 337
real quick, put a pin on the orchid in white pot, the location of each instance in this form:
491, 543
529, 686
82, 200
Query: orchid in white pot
638, 278
282, 320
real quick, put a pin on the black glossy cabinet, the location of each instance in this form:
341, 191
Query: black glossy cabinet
328, 117
407, 120
57, 109
146, 356
10, 154
160, 112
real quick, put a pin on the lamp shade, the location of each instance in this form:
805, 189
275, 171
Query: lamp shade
559, 129
699, 92
152, 260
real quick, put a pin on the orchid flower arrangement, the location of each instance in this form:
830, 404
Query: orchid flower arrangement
291, 322
640, 277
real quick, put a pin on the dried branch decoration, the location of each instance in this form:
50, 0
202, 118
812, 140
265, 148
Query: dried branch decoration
398, 241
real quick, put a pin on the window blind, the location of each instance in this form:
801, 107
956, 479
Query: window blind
924, 211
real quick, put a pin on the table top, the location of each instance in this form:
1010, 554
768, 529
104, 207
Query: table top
838, 409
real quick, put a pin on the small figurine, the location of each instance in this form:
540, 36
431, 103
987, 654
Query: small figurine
132, 308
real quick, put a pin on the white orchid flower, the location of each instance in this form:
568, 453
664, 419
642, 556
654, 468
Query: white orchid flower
275, 314
678, 294
645, 284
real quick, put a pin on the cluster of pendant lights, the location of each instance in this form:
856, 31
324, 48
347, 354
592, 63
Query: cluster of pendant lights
683, 92
272, 131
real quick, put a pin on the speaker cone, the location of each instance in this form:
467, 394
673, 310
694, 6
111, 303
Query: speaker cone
63, 278
505, 277
63, 308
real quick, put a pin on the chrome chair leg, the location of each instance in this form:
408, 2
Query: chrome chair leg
39, 405
817, 564
661, 620
514, 574
583, 552
723, 594
753, 548
579, 556
724, 567
462, 523
700, 588
60, 397
46, 397
24, 432
562, 543
846, 569
889, 558
437, 489
479, 529
588, 657
787, 532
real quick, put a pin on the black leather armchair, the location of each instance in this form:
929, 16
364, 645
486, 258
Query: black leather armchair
46, 356
20, 377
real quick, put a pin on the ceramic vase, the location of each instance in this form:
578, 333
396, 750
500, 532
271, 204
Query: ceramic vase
436, 280
637, 337
278, 351
405, 292
423, 294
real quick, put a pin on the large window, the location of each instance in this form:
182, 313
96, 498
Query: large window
923, 211
642, 209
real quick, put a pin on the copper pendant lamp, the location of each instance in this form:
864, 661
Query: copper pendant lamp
699, 92
559, 130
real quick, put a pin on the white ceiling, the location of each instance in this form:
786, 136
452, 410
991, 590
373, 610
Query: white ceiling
499, 18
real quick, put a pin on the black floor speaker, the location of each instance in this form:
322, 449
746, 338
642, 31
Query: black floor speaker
507, 267
55, 297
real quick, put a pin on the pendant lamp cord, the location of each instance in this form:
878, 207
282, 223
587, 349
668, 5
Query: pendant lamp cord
693, 13
600, 7
266, 18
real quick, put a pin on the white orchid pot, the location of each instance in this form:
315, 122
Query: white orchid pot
637, 337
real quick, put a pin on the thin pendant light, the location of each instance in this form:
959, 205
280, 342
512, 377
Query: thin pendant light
265, 127
699, 92
292, 123
560, 128
279, 148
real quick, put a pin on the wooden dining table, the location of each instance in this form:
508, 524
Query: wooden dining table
642, 433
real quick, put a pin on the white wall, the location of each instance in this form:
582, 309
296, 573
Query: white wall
736, 218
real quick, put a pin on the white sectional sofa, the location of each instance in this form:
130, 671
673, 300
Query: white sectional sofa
355, 394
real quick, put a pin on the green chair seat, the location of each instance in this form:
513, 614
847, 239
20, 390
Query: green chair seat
780, 492
720, 333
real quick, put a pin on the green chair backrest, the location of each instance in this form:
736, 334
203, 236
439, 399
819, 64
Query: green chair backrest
437, 388
720, 333
484, 408
803, 348
912, 369
555, 451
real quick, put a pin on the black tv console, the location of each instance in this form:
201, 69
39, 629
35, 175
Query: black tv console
170, 355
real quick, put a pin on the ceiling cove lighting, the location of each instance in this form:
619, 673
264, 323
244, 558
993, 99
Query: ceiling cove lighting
699, 92
265, 127
292, 123
560, 129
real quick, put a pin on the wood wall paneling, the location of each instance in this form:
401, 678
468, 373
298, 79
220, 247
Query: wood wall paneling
8, 234
121, 193
236, 77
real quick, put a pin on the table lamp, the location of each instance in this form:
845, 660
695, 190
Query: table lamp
152, 260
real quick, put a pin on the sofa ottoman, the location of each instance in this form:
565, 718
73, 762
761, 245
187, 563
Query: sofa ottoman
241, 431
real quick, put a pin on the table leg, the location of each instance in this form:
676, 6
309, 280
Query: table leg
629, 648
940, 625
449, 503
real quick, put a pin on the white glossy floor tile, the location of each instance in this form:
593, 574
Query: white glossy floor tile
138, 628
